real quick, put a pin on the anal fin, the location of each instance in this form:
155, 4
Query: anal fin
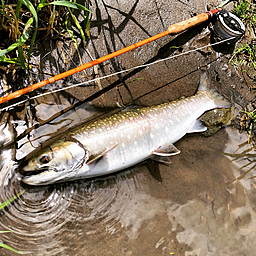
197, 127
166, 150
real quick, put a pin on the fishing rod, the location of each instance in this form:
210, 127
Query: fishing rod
225, 26
172, 30
114, 74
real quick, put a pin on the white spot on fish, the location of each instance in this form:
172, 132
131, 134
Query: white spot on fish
123, 145
151, 135
140, 132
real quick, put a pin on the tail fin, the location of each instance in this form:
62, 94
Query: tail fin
219, 100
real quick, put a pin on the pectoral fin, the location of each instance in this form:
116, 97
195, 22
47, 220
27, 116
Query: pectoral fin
166, 150
94, 157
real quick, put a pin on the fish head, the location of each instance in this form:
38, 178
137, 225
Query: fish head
53, 163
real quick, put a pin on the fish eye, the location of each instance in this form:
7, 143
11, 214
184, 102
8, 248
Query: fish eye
44, 159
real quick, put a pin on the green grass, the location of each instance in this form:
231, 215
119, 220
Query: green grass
2, 205
21, 23
244, 57
246, 11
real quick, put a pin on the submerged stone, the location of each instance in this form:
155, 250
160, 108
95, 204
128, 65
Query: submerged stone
215, 119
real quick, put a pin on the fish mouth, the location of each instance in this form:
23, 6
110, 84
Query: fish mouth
34, 172
42, 176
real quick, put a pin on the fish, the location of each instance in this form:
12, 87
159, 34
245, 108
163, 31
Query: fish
119, 141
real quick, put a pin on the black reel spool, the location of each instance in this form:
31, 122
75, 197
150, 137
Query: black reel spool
226, 26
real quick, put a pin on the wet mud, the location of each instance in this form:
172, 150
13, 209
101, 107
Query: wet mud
205, 204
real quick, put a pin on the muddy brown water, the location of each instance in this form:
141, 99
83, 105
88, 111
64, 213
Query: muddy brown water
203, 206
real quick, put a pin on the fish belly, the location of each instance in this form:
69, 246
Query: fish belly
132, 147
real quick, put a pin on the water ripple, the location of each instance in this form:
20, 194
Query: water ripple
44, 220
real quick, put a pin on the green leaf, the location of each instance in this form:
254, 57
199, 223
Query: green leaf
17, 10
21, 40
10, 48
2, 205
77, 24
21, 57
9, 248
34, 13
41, 5
71, 5
9, 60
6, 231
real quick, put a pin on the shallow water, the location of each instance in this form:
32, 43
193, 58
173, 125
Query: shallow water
202, 207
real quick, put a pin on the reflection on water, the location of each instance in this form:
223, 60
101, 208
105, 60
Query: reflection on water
243, 157
201, 207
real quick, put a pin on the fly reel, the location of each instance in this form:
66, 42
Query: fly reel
227, 26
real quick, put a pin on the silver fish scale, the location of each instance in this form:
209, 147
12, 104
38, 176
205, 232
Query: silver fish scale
140, 131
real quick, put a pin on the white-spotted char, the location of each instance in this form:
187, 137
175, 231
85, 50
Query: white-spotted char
124, 139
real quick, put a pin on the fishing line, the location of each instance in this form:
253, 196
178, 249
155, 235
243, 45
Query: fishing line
117, 73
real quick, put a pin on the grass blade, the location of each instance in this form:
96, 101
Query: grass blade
34, 13
2, 205
77, 24
21, 40
87, 20
10, 48
21, 57
9, 248
17, 11
65, 4
9, 60
71, 5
